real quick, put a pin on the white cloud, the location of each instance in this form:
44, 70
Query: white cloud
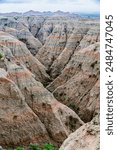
50, 5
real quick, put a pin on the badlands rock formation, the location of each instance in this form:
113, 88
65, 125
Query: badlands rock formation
18, 123
49, 81
85, 138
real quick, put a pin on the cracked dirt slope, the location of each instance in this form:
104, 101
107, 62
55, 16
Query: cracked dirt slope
49, 79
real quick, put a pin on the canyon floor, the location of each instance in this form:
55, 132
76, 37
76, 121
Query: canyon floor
49, 81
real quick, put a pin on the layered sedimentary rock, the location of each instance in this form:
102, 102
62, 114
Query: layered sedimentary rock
53, 46
53, 114
78, 78
25, 36
85, 138
22, 55
49, 81
18, 123
57, 119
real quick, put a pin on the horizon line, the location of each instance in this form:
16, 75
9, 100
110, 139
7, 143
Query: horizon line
51, 12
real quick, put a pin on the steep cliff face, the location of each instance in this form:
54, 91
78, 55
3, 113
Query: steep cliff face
49, 79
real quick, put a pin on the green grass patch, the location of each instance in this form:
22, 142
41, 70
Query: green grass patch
36, 147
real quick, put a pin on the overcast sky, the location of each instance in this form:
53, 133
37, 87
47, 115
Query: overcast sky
82, 6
